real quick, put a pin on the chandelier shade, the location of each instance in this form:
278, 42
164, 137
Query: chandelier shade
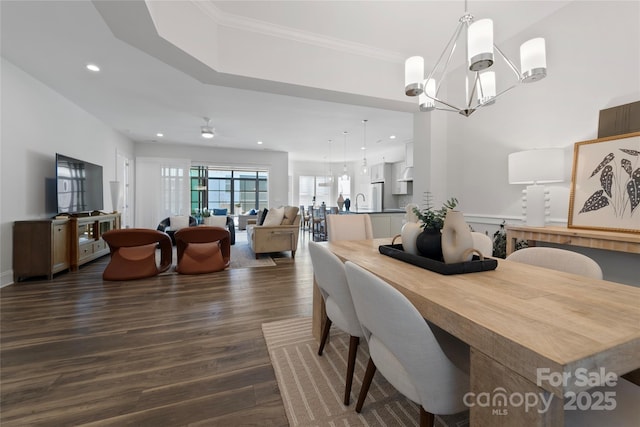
487, 90
426, 99
480, 85
480, 44
533, 60
413, 75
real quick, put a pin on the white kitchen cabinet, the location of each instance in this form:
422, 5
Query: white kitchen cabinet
386, 225
380, 172
398, 187
396, 222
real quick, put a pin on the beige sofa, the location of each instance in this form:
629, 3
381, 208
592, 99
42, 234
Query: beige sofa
276, 238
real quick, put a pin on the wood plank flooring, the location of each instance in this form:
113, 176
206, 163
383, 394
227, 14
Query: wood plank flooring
167, 351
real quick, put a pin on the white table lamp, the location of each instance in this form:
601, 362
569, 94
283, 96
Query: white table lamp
114, 186
534, 167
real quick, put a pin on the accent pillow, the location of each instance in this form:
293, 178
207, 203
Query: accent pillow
177, 222
216, 221
220, 212
290, 213
274, 217
262, 215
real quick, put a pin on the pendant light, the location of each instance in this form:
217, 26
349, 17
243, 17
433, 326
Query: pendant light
364, 149
345, 175
330, 172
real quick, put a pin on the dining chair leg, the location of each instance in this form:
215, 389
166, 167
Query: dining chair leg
427, 419
366, 383
351, 364
325, 334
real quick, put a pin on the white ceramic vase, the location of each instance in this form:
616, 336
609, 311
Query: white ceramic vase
457, 242
409, 235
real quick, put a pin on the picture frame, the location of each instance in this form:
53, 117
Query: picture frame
605, 184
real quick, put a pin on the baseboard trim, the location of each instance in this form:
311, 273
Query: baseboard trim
6, 278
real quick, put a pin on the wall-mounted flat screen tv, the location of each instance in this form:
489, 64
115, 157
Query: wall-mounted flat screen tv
78, 185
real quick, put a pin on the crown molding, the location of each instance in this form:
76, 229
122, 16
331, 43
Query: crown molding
265, 28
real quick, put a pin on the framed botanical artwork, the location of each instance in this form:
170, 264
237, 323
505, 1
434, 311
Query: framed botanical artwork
605, 184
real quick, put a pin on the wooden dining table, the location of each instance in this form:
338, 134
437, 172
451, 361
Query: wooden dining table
536, 336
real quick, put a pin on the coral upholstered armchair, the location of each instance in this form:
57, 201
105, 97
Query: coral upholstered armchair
202, 249
133, 253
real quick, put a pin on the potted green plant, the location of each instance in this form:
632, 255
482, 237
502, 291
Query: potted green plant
500, 242
429, 242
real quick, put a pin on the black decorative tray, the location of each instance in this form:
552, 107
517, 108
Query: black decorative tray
473, 266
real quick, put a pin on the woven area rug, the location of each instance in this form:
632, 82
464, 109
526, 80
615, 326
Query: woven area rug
312, 386
243, 257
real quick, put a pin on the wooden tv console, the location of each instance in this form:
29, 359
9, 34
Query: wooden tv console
48, 246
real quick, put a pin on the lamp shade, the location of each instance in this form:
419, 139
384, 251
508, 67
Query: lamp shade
114, 187
533, 60
413, 75
536, 166
480, 44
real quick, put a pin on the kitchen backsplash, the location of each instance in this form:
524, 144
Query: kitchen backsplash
402, 200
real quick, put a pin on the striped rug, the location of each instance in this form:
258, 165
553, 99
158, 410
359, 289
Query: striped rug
312, 386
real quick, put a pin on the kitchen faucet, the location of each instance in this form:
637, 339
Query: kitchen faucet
363, 199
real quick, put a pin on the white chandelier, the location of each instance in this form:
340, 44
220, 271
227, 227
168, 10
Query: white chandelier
480, 84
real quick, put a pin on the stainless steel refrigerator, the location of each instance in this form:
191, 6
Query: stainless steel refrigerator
376, 194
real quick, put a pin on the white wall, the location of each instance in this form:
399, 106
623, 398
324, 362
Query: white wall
36, 123
593, 63
585, 74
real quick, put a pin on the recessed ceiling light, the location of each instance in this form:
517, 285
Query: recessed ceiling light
392, 137
160, 134
93, 67
259, 142
363, 148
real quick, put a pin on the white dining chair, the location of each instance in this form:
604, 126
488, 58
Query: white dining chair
404, 349
349, 227
558, 259
332, 282
482, 243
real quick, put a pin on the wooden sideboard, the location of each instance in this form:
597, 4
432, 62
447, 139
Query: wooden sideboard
609, 240
48, 246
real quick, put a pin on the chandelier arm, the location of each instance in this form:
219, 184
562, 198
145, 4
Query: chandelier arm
511, 64
488, 102
451, 44
505, 90
448, 109
473, 89
447, 104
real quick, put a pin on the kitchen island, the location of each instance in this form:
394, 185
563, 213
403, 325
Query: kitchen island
385, 223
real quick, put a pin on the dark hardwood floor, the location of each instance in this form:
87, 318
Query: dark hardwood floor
167, 351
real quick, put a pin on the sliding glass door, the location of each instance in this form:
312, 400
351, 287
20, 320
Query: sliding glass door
238, 191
